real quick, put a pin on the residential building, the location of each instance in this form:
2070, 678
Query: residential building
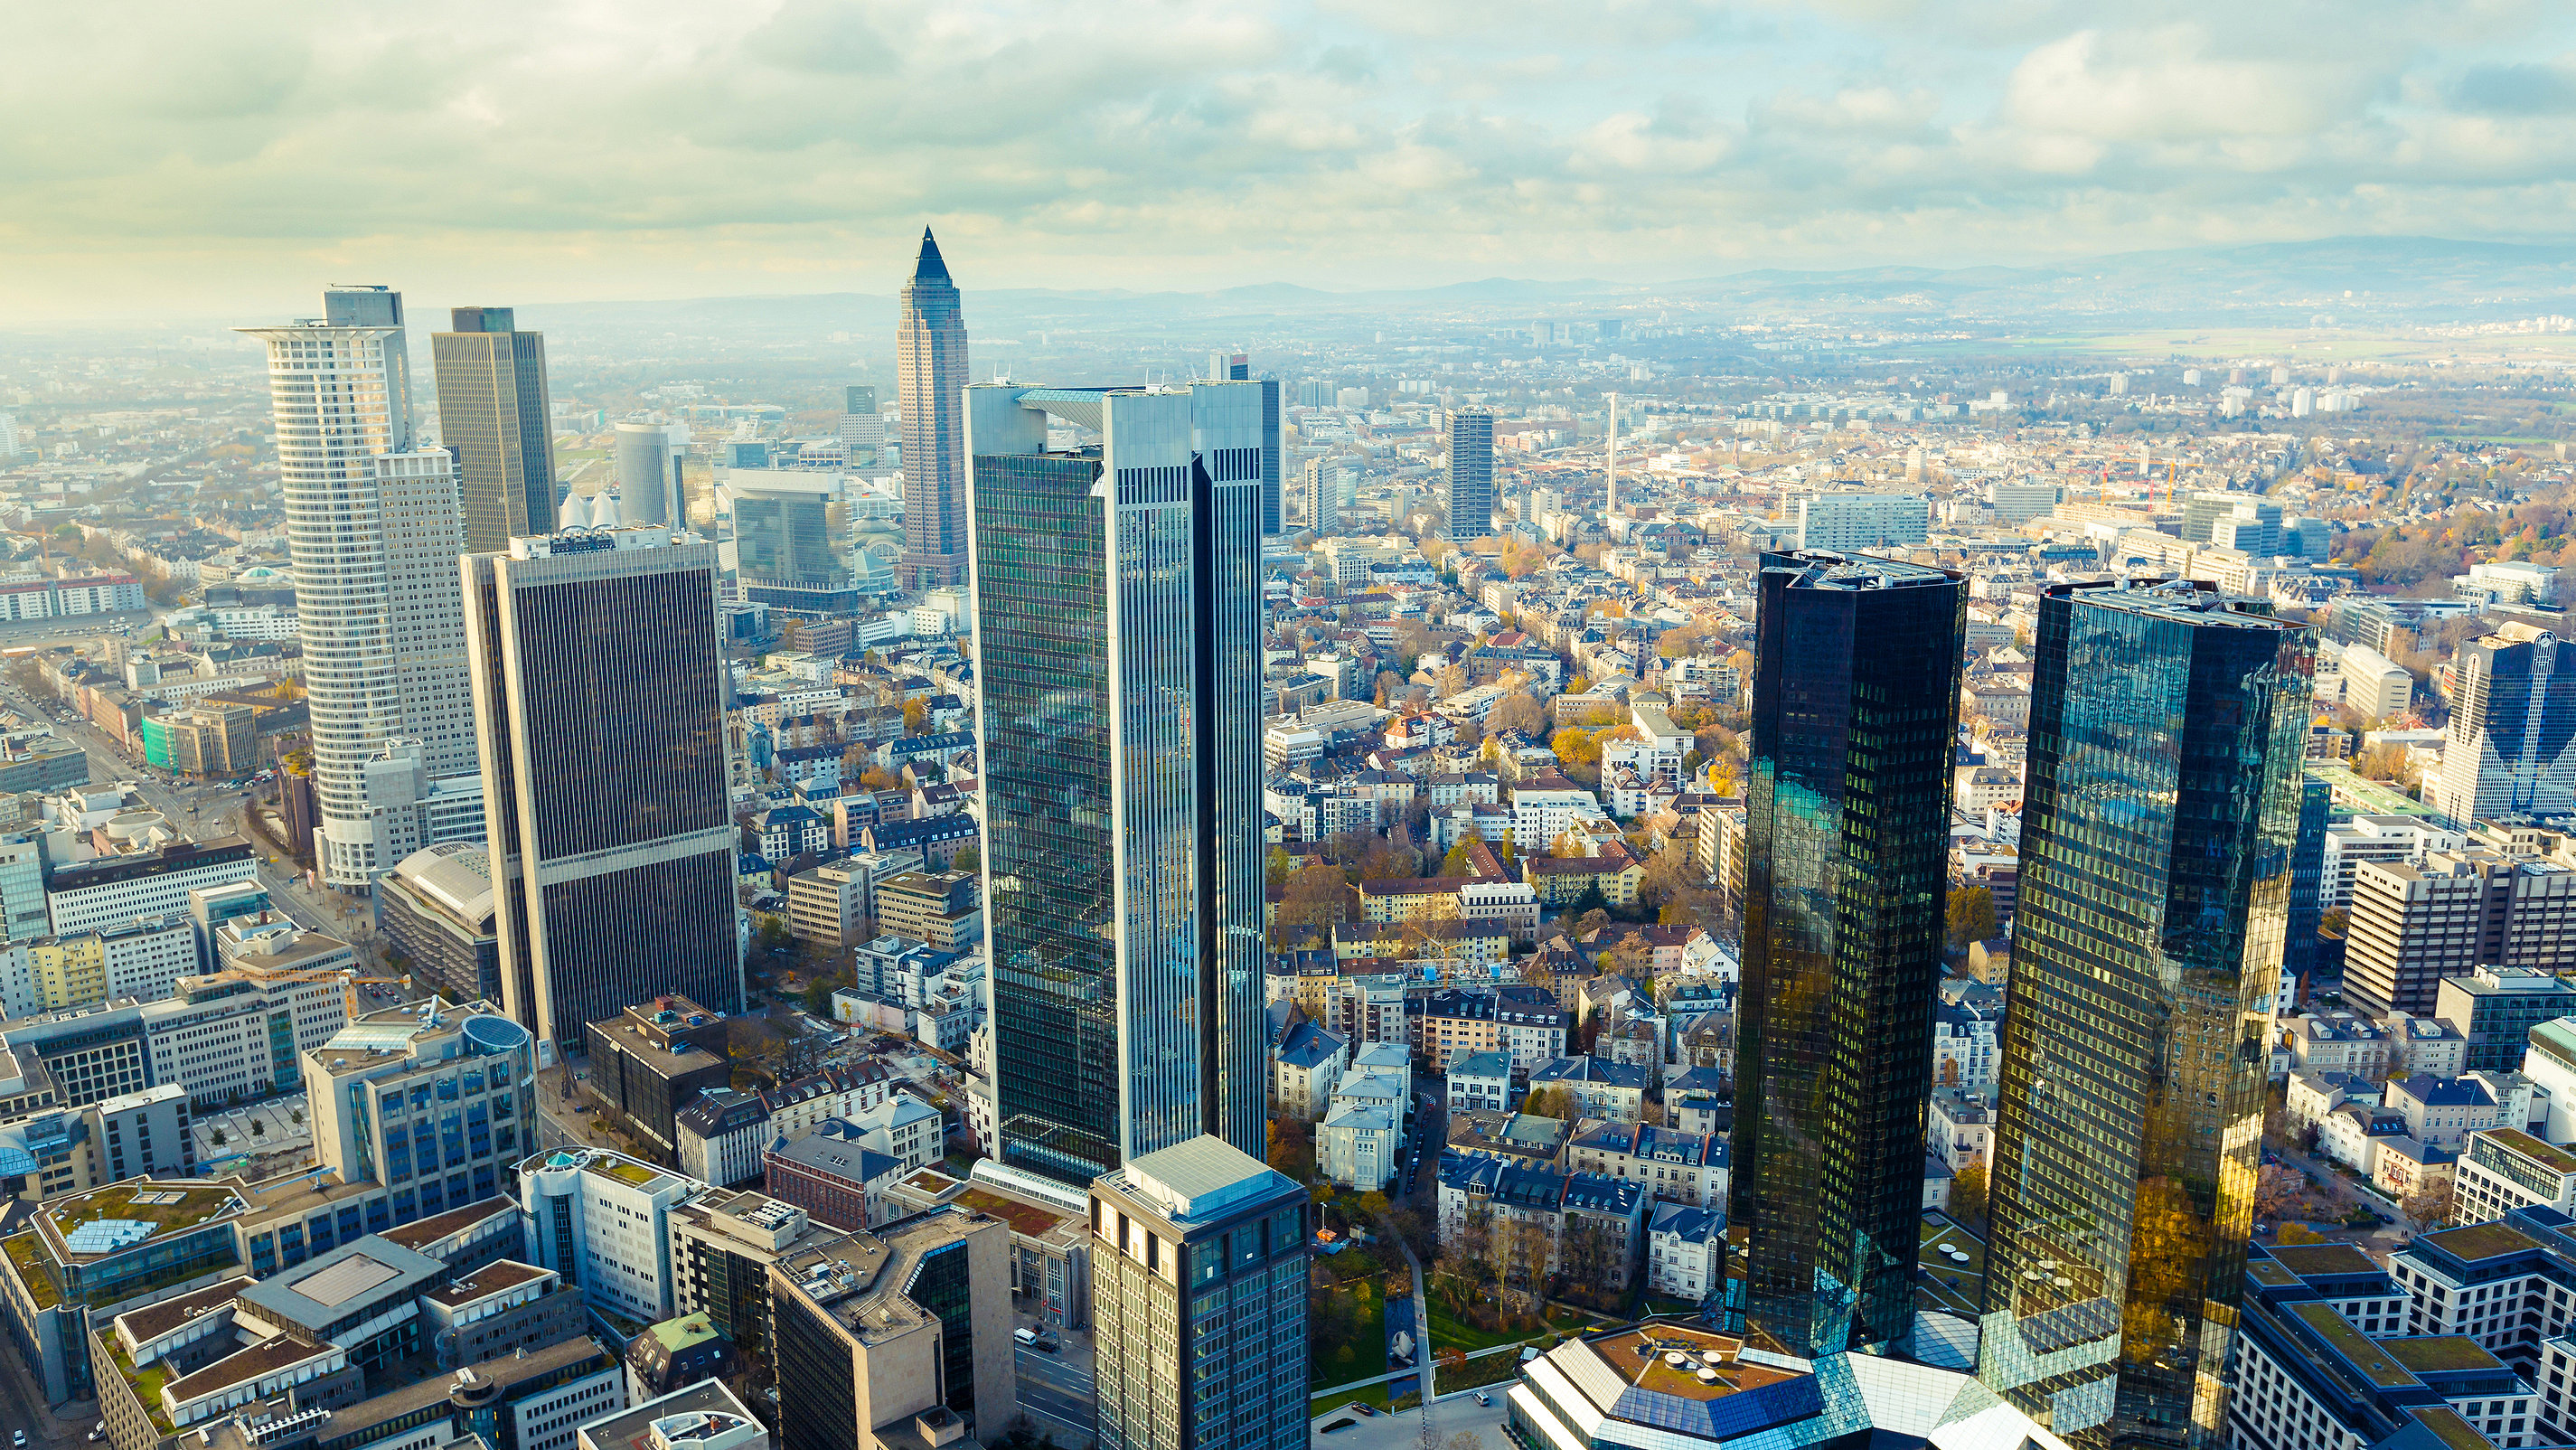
1847, 522
598, 865
2167, 732
1360, 1144
1600, 1088
1099, 1060
1306, 1064
721, 1137
1855, 720
934, 907
495, 415
1177, 1363
1671, 1165
1480, 1081
1685, 1251
375, 523
899, 1342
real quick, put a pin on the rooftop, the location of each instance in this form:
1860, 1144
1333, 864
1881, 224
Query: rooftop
1710, 1364
2325, 1259
110, 1220
2367, 1355
2439, 1353
2555, 1159
2480, 1241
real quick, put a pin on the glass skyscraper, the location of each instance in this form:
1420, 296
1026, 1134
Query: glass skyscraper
1471, 473
1855, 714
2511, 743
1118, 599
493, 414
2166, 733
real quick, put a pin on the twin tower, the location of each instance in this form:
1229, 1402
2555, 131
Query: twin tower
2162, 803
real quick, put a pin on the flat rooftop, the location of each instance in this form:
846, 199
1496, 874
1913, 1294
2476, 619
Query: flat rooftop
2321, 1260
104, 1221
2481, 1241
492, 1278
1709, 1366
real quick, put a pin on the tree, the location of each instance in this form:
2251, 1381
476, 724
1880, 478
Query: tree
1456, 862
1972, 915
875, 778
1968, 1196
1517, 711
967, 858
818, 997
1373, 1204
915, 714
2276, 1189
1549, 1102
2429, 1204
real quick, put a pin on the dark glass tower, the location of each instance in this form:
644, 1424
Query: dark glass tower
1118, 598
930, 375
599, 697
2307, 880
1855, 713
2166, 732
1471, 473
493, 414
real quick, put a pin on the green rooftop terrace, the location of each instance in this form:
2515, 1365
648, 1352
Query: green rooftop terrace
168, 1207
2555, 1159
2366, 1354
625, 1172
2481, 1241
2438, 1353
28, 1256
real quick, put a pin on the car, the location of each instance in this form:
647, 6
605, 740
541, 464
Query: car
98, 1431
1483, 1399
18, 1440
1358, 1408
1025, 1336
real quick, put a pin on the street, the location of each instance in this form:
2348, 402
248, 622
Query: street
1056, 1394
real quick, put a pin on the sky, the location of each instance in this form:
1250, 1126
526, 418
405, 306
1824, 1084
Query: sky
216, 157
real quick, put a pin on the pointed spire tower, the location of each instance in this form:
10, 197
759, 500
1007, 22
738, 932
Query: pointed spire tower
930, 382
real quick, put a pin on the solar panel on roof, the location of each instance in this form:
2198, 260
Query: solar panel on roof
107, 1235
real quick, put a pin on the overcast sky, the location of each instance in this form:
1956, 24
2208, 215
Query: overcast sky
212, 158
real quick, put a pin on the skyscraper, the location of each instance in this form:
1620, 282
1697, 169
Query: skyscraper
782, 543
930, 376
493, 414
1471, 473
1237, 368
2167, 727
1118, 600
2511, 747
599, 692
1855, 715
648, 476
1198, 1302
374, 527
862, 428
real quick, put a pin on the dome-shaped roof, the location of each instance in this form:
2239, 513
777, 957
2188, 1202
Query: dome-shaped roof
603, 510
576, 513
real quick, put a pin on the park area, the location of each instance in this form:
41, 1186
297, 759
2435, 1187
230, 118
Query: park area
1346, 1322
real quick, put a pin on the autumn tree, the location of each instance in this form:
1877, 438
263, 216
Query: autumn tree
1968, 1196
1972, 915
2277, 1189
1519, 711
915, 717
2429, 1204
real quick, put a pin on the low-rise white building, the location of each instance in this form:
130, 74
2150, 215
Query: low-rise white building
1685, 1251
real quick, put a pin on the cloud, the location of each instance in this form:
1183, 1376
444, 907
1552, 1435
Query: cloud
227, 157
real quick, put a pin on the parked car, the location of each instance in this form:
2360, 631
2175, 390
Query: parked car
1483, 1399
1358, 1408
1025, 1336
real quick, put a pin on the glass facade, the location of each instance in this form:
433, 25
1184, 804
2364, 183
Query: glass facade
2307, 879
940, 1286
1855, 711
816, 1375
2163, 806
782, 538
493, 413
1118, 622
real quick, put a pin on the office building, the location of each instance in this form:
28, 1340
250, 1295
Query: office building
1198, 1302
862, 428
436, 908
598, 1218
897, 1342
2307, 883
1844, 522
1330, 488
2510, 747
434, 1106
2411, 926
115, 890
649, 490
722, 1245
2495, 1008
699, 1417
240, 1033
604, 772
2167, 728
783, 549
495, 416
1471, 473
930, 379
652, 1060
2375, 687
1855, 715
375, 524
1122, 787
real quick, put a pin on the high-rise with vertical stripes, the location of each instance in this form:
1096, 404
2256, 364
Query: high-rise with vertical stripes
2167, 729
374, 525
930, 376
492, 414
1118, 693
1471, 473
